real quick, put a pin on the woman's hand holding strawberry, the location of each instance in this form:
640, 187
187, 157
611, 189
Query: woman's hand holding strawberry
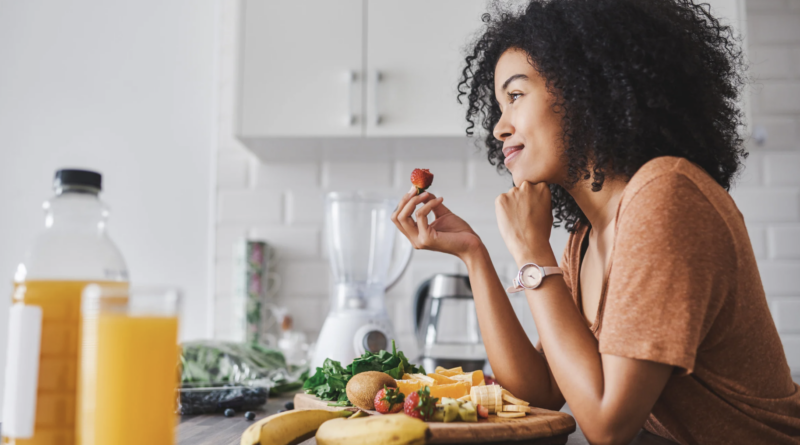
447, 233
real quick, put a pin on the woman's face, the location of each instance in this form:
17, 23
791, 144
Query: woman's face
529, 128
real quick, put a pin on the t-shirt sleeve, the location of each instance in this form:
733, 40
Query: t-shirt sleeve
671, 271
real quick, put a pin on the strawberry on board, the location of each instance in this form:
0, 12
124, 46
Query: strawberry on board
420, 404
422, 178
389, 401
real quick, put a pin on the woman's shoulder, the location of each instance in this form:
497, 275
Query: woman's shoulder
667, 181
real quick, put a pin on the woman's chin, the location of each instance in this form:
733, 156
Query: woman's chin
520, 178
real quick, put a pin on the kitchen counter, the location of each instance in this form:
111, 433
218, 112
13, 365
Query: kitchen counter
217, 429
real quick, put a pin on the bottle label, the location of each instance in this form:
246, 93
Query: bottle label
22, 370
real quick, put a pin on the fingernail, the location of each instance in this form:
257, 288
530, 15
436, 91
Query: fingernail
412, 190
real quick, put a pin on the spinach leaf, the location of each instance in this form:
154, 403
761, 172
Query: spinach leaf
330, 381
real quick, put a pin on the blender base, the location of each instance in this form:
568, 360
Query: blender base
347, 334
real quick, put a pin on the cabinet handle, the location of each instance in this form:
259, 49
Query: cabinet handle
377, 77
351, 77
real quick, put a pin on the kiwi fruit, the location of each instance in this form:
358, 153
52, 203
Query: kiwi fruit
363, 387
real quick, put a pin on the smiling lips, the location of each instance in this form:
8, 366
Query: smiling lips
510, 153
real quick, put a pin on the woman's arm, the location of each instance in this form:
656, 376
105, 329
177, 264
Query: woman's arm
514, 360
610, 396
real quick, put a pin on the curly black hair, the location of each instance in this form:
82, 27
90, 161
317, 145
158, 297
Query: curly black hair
633, 80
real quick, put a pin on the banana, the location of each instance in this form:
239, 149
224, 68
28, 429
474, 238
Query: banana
394, 429
289, 428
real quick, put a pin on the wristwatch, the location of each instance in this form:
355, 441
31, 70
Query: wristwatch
530, 276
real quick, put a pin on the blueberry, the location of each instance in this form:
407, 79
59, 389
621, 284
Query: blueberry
229, 412
250, 415
288, 405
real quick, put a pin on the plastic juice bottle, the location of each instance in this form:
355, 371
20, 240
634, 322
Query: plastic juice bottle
72, 251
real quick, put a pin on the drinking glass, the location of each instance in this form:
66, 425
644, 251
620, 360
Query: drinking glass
129, 369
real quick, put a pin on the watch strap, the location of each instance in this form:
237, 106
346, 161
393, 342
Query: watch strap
549, 270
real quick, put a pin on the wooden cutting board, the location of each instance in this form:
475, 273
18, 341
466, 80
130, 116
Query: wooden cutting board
540, 427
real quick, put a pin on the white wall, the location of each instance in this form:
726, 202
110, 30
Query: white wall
127, 88
769, 193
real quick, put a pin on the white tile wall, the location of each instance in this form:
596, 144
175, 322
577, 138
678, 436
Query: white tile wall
282, 202
770, 201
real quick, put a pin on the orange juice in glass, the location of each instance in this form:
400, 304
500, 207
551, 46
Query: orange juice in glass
129, 367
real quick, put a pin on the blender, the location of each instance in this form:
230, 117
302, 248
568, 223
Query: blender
361, 245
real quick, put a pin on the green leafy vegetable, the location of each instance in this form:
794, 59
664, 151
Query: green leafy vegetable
329, 381
216, 363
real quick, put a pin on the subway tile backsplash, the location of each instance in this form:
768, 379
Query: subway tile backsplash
282, 202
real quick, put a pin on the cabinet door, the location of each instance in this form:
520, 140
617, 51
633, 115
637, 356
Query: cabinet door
302, 65
417, 49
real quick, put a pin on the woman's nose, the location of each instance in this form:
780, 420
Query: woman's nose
503, 130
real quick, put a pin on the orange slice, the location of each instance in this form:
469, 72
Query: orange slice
453, 390
408, 386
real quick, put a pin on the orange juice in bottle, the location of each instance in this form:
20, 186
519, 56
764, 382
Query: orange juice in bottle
72, 251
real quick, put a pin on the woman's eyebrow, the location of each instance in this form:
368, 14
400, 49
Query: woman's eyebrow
513, 78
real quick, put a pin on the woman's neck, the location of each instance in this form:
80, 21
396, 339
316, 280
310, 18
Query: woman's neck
599, 207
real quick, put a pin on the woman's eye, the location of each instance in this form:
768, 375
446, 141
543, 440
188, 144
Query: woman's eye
513, 97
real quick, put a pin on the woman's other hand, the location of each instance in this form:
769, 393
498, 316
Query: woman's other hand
525, 217
447, 233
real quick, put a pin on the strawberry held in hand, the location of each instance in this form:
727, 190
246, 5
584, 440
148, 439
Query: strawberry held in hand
420, 404
389, 400
422, 178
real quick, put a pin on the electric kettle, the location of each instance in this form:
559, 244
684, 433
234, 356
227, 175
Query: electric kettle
447, 324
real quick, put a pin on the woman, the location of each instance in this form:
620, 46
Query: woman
620, 117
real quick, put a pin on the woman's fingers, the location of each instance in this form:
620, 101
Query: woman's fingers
396, 214
403, 200
422, 218
404, 216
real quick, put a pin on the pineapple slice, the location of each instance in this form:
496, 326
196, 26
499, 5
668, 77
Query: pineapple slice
475, 378
449, 372
430, 381
442, 380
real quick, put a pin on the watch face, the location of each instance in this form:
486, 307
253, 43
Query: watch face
531, 277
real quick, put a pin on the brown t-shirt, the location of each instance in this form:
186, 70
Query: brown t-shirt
683, 288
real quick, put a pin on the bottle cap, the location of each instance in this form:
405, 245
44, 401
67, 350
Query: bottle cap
80, 178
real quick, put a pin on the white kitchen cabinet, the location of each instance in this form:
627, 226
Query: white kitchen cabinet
301, 68
320, 78
415, 54
353, 68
